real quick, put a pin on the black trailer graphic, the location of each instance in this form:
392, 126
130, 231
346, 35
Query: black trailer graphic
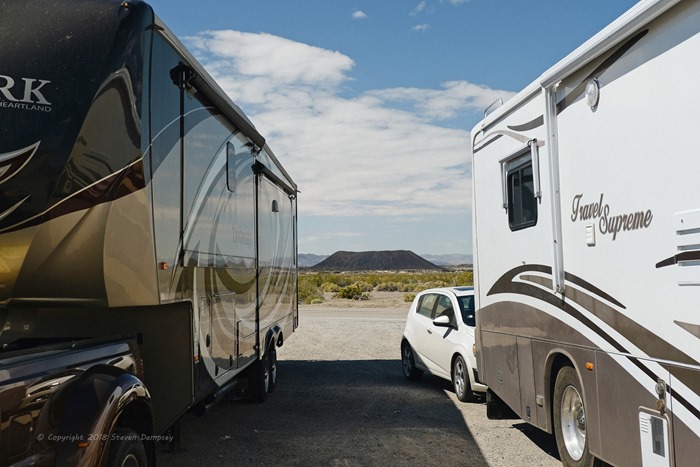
136, 201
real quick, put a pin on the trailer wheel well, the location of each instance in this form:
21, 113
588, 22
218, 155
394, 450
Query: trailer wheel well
559, 361
273, 337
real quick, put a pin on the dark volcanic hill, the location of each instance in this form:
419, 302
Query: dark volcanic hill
373, 261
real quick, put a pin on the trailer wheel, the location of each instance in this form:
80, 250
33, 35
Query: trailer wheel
570, 421
126, 449
460, 380
409, 365
259, 379
272, 370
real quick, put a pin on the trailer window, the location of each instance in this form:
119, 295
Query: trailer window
522, 204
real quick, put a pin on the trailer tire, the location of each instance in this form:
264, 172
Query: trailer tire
408, 362
126, 449
570, 421
272, 370
259, 379
460, 380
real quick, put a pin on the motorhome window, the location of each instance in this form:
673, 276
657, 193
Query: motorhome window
522, 205
426, 305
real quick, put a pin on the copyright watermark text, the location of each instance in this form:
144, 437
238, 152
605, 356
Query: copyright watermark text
101, 437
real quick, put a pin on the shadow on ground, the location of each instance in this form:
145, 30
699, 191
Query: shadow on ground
333, 413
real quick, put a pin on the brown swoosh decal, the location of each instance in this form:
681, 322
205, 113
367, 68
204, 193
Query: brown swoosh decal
119, 184
641, 337
694, 329
532, 124
684, 256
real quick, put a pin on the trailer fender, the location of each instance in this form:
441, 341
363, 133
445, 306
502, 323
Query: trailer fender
273, 337
80, 419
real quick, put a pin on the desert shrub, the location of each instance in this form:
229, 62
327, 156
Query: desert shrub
392, 286
409, 297
353, 292
309, 291
409, 282
330, 287
429, 285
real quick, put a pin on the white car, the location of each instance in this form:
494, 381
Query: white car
440, 341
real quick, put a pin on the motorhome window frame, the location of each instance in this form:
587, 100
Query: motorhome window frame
517, 162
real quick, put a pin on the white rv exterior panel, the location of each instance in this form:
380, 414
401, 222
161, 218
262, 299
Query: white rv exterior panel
619, 218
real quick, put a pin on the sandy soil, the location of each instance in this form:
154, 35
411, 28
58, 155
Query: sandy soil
342, 400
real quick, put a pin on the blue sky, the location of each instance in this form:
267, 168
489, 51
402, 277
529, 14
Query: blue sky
369, 104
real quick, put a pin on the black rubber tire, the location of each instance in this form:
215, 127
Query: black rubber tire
460, 380
259, 380
408, 363
126, 449
272, 370
567, 378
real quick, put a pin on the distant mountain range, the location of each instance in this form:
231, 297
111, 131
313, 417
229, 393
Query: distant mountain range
449, 260
307, 260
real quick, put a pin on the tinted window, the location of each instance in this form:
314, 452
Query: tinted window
426, 304
522, 205
466, 305
444, 307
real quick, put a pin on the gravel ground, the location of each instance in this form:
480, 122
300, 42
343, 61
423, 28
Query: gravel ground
342, 400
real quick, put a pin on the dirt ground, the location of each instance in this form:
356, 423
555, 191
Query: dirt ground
342, 400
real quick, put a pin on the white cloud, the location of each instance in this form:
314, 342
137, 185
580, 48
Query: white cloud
380, 153
455, 98
272, 57
420, 27
419, 8
359, 14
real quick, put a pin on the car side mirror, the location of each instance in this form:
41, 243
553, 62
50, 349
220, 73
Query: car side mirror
443, 321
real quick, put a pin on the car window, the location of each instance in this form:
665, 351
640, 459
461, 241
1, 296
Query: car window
444, 307
466, 305
426, 304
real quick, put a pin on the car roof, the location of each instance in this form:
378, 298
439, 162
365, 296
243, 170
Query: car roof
459, 291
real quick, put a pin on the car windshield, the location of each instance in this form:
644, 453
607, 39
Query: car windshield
466, 305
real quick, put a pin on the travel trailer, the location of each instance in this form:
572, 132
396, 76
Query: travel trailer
587, 245
138, 204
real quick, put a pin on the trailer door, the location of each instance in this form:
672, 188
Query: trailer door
276, 237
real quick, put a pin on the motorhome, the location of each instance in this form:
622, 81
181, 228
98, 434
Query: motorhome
587, 245
137, 202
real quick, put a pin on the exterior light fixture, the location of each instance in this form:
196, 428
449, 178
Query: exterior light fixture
592, 93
